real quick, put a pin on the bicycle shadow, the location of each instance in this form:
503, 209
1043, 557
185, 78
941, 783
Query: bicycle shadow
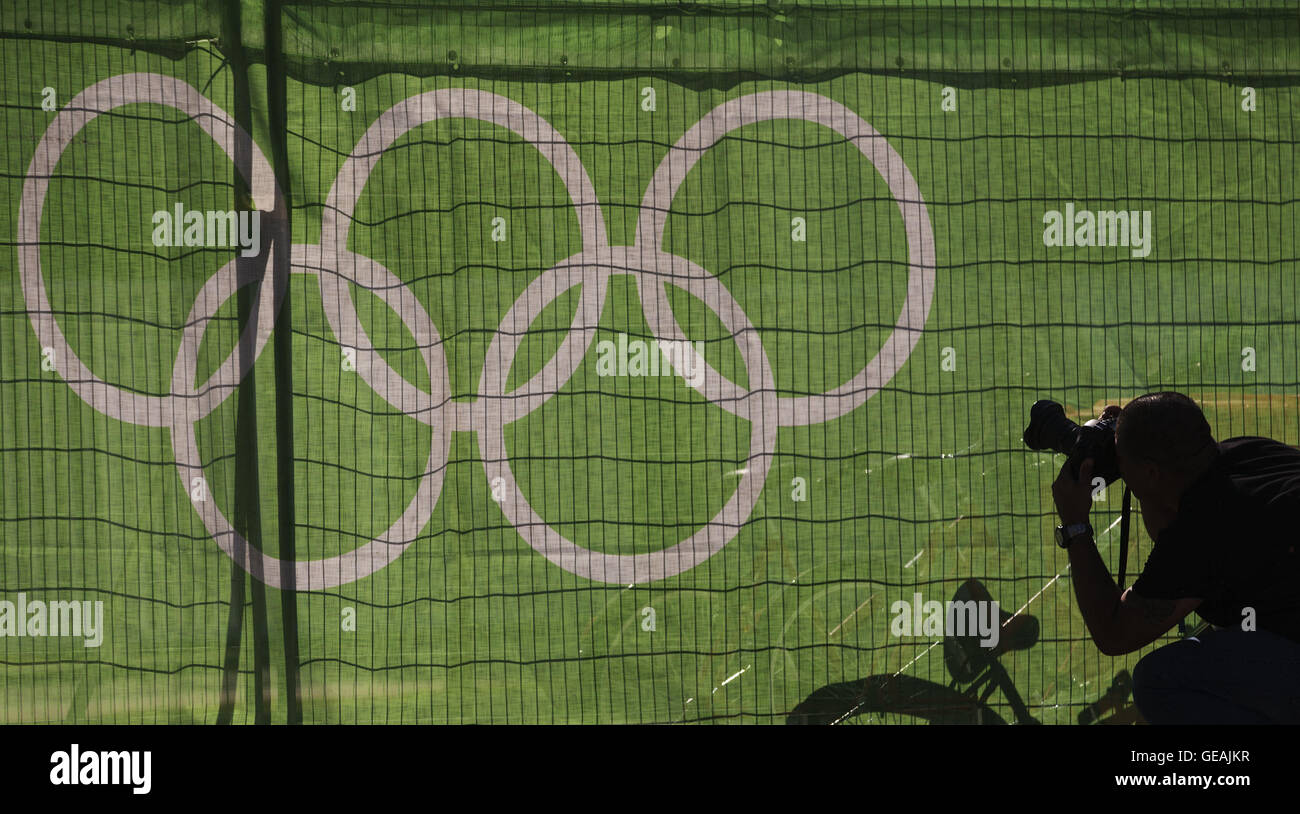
974, 669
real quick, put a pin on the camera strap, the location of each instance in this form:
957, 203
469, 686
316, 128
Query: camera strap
1123, 536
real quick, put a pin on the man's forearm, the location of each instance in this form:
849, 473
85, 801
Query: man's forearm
1095, 590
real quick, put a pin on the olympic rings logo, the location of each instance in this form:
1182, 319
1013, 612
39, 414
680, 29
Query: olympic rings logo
592, 268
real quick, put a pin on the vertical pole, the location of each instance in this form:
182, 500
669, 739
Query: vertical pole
247, 521
278, 122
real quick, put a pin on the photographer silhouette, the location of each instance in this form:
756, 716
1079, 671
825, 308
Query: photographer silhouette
1225, 518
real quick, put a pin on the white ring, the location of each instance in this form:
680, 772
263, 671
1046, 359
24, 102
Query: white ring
315, 575
99, 98
812, 107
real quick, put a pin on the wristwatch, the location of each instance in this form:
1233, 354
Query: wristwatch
1065, 535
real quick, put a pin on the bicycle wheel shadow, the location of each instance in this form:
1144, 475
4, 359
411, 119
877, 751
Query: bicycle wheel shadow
974, 669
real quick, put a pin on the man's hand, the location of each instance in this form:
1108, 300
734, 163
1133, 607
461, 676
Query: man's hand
1074, 497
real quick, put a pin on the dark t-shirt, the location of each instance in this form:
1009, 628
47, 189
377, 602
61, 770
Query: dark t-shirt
1235, 542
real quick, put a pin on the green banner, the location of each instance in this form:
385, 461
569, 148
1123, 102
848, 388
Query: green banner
605, 362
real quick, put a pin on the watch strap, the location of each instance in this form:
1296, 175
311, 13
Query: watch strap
1066, 535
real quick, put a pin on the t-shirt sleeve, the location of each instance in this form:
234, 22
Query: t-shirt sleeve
1175, 569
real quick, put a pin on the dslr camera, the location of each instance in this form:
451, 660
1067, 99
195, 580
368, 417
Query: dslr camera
1049, 429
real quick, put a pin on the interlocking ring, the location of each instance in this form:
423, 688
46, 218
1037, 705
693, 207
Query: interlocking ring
488, 416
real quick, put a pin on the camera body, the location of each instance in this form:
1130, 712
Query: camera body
1049, 429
